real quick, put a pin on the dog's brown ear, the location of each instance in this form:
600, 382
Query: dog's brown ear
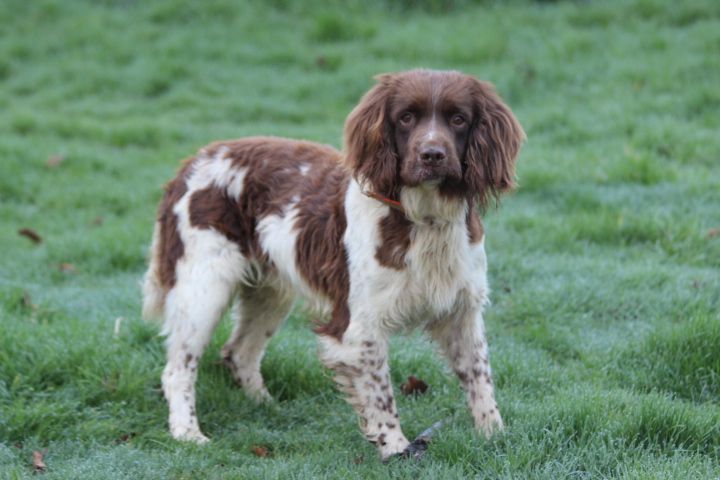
493, 146
369, 147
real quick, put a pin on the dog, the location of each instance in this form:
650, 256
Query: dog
382, 237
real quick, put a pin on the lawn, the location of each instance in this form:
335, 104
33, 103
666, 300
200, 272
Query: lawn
605, 263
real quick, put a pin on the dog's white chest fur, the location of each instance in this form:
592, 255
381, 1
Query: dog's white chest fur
442, 272
435, 273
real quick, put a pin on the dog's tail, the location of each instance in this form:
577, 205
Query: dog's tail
153, 291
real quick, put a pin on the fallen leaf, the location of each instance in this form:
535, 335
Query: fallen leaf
125, 437
54, 160
38, 464
414, 386
67, 268
359, 460
713, 232
320, 61
97, 221
260, 451
31, 234
27, 301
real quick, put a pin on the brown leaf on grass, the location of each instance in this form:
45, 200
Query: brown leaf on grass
67, 268
38, 464
125, 437
359, 460
31, 234
260, 451
54, 161
414, 386
713, 232
97, 221
27, 301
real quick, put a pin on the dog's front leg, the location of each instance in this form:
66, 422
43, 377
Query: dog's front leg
462, 341
360, 364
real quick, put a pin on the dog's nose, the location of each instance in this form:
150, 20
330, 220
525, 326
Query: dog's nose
433, 154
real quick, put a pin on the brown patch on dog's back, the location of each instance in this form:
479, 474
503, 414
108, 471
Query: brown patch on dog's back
170, 247
272, 179
213, 208
280, 172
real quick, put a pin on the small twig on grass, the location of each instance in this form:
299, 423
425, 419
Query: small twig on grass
427, 434
417, 447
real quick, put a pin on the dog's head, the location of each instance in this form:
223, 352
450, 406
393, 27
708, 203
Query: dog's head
432, 128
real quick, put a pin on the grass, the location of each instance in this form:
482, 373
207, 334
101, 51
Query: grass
605, 263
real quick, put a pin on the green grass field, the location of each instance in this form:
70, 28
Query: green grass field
605, 264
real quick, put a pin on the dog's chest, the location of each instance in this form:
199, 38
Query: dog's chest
434, 271
438, 278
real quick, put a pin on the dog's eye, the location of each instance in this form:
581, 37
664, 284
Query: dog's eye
458, 120
406, 118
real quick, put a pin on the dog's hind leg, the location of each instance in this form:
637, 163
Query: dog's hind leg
257, 313
207, 276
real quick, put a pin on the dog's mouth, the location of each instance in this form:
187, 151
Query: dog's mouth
429, 176
433, 175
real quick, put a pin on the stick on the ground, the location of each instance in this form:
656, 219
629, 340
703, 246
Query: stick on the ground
417, 447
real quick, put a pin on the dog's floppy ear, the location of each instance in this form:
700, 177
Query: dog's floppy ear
493, 146
369, 147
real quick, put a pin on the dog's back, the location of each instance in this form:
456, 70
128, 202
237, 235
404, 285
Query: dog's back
237, 188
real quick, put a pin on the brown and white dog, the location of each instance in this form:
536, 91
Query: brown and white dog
380, 238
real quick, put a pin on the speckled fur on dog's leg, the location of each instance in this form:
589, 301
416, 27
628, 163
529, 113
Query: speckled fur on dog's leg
466, 350
257, 313
362, 372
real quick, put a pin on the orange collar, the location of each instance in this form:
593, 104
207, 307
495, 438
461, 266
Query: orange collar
387, 201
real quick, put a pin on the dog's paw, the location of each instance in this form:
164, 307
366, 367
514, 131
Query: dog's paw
490, 424
189, 435
414, 451
259, 396
392, 447
417, 448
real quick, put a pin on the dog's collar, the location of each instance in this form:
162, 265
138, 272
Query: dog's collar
396, 205
387, 201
